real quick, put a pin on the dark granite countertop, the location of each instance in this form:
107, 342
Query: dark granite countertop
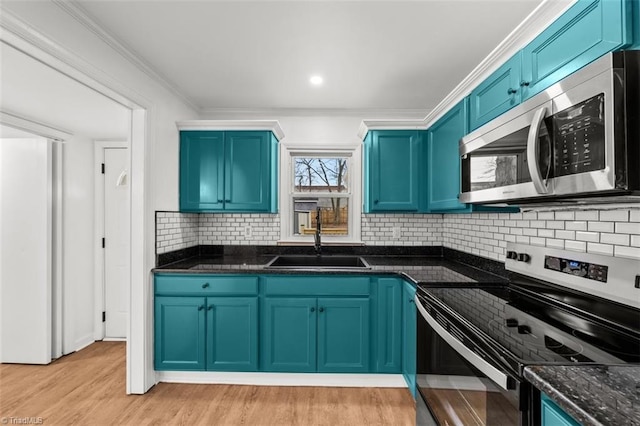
423, 268
593, 395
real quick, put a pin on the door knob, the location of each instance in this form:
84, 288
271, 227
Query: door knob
201, 307
321, 309
205, 285
210, 308
313, 309
524, 83
512, 91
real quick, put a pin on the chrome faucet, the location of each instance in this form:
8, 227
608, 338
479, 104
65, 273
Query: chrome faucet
317, 239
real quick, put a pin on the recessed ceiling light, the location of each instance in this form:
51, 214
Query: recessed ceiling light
316, 80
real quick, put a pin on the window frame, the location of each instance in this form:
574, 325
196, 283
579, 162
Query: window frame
354, 195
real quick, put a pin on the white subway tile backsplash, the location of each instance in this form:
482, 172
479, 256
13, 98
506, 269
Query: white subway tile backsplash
628, 228
624, 251
606, 249
613, 232
601, 226
614, 216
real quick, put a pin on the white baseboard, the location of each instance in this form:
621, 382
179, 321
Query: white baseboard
84, 341
114, 339
284, 379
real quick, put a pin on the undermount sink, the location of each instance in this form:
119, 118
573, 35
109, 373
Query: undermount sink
325, 262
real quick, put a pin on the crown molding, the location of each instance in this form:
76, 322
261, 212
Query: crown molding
83, 17
269, 125
21, 36
224, 113
34, 127
368, 125
541, 17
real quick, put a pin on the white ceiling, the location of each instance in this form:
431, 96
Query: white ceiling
259, 55
32, 90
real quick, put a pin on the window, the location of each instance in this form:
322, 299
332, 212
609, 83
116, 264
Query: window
320, 183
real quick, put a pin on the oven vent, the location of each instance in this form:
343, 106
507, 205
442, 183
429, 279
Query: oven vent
456, 332
443, 322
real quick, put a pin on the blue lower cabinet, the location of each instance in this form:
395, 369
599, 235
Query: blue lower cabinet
232, 333
552, 415
409, 326
289, 334
389, 326
180, 333
343, 335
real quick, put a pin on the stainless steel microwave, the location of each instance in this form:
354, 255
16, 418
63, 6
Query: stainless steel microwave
578, 139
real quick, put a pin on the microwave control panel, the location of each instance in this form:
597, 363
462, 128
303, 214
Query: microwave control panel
587, 270
580, 137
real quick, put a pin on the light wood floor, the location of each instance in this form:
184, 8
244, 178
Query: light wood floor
88, 388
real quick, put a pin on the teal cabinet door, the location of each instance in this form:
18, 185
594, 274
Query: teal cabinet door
201, 171
179, 333
247, 171
288, 341
232, 333
444, 160
343, 335
409, 326
552, 415
497, 94
585, 32
393, 171
389, 325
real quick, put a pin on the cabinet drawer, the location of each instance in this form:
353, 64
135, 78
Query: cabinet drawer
205, 285
304, 285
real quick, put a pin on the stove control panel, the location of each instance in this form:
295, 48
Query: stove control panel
587, 270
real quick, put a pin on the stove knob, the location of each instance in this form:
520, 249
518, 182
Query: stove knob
524, 257
512, 255
524, 329
512, 322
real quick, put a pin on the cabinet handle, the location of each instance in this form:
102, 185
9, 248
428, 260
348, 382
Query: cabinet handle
321, 309
201, 307
512, 91
221, 201
227, 201
411, 301
313, 309
375, 201
524, 83
210, 307
205, 285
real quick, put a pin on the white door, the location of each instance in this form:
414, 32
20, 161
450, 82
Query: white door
116, 244
25, 250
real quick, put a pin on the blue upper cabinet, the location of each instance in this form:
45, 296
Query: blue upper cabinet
393, 171
496, 95
201, 171
231, 171
588, 30
444, 160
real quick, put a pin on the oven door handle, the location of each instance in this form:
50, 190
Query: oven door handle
476, 360
533, 148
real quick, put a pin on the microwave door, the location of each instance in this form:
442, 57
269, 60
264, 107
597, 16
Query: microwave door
509, 162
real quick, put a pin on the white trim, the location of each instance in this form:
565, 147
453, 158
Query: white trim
21, 36
83, 342
368, 125
80, 14
57, 280
227, 113
537, 21
39, 129
354, 153
98, 202
270, 125
284, 379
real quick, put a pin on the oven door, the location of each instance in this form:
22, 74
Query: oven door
460, 385
510, 158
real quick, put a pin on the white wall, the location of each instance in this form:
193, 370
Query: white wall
78, 243
25, 250
154, 154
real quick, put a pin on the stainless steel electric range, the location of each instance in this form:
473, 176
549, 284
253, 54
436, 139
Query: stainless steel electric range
559, 308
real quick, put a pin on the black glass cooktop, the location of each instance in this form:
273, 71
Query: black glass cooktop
529, 326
